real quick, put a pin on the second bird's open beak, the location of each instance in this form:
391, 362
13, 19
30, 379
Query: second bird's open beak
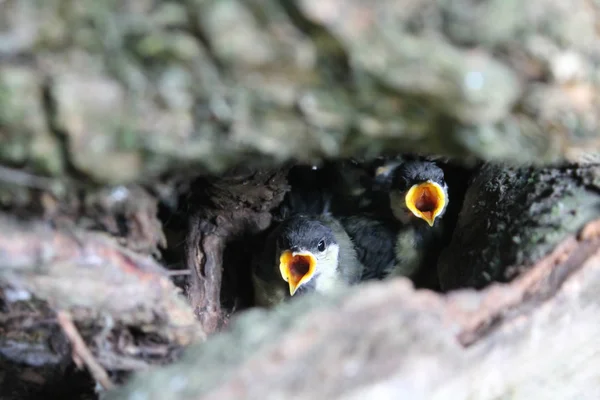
426, 201
296, 268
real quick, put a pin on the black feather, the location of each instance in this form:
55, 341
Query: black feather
407, 174
374, 241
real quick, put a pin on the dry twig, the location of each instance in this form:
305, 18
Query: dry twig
81, 353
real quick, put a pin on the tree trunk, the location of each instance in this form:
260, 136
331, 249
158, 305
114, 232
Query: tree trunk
533, 338
112, 112
511, 217
121, 92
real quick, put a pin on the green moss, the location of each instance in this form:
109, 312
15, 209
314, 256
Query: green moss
170, 14
10, 111
168, 46
46, 156
535, 209
14, 150
127, 139
26, 137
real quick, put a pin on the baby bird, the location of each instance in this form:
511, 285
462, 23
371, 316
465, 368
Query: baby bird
418, 199
313, 251
305, 254
418, 189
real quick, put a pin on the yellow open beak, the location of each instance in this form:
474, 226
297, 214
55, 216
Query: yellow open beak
296, 268
426, 201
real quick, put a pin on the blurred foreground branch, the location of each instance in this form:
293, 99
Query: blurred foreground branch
106, 288
381, 341
122, 92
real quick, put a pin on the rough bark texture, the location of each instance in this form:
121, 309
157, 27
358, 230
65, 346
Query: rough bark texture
388, 341
511, 217
104, 105
106, 287
123, 91
232, 207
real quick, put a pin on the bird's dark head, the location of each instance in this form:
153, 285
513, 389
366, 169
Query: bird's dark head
418, 190
307, 250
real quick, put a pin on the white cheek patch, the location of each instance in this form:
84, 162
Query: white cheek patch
327, 263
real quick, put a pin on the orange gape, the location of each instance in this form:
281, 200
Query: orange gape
296, 268
426, 200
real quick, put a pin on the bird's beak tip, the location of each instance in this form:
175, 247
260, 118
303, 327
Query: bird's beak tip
292, 289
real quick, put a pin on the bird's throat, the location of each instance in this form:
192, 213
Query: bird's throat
296, 268
426, 200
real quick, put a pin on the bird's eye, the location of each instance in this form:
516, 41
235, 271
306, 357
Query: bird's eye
321, 246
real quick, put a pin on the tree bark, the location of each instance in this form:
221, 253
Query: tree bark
386, 340
101, 98
123, 92
108, 289
227, 209
512, 217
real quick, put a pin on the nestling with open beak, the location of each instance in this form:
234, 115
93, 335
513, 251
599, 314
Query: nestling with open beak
305, 254
418, 199
418, 191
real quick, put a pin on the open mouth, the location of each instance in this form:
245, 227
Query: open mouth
296, 268
426, 201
